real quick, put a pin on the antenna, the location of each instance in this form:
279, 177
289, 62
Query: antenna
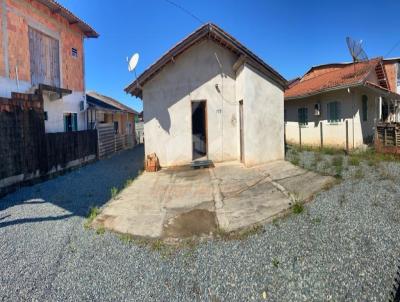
356, 51
132, 63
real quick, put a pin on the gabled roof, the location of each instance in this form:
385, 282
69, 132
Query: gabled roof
207, 31
57, 8
343, 75
106, 102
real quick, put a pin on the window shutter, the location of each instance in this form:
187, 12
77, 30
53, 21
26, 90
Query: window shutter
328, 110
74, 122
65, 123
299, 115
338, 114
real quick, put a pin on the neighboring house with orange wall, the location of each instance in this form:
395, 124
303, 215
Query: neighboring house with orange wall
42, 49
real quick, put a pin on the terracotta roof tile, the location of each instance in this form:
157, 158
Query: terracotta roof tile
346, 75
56, 7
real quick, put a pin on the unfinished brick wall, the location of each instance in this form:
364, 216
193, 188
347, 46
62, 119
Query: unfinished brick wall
72, 67
2, 68
390, 69
23, 13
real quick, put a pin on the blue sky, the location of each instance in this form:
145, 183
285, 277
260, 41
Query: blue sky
291, 36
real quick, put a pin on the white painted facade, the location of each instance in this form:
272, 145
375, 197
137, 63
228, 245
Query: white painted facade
333, 133
8, 85
57, 108
196, 75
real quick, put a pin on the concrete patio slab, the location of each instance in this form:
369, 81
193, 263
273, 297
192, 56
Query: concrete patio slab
183, 202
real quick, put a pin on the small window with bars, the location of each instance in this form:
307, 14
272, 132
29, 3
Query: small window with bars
74, 52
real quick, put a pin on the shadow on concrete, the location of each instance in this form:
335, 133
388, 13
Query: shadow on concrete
74, 192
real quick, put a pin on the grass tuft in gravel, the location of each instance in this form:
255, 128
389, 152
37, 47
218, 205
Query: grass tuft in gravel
93, 212
297, 207
275, 262
100, 230
316, 220
354, 161
128, 182
275, 222
318, 157
359, 174
161, 247
337, 162
126, 238
295, 160
114, 192
385, 174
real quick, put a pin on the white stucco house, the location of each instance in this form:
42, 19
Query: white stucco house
340, 104
209, 97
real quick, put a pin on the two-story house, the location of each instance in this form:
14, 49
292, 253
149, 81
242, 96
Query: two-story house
42, 50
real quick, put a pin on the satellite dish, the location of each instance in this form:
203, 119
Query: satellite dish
356, 51
133, 62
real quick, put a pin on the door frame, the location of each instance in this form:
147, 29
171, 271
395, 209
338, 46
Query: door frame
205, 124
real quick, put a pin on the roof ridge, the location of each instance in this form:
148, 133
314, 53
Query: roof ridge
111, 99
347, 63
329, 72
197, 35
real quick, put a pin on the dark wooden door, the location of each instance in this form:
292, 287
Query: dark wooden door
241, 131
44, 59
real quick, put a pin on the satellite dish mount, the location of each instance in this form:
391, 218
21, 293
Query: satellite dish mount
356, 51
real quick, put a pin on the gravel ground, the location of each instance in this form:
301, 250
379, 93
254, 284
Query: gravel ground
344, 246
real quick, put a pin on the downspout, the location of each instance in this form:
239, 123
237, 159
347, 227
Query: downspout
84, 81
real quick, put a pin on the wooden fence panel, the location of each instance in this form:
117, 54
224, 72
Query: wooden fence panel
387, 138
66, 147
110, 142
27, 152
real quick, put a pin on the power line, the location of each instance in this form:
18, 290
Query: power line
185, 11
393, 48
